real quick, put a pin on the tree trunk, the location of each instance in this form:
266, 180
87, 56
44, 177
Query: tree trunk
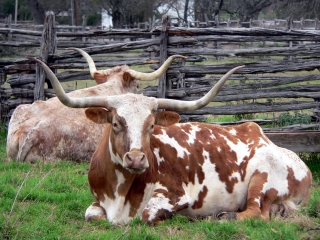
185, 14
37, 11
117, 19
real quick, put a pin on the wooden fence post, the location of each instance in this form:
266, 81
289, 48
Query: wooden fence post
163, 56
216, 43
315, 24
84, 23
9, 22
217, 21
48, 46
301, 23
289, 27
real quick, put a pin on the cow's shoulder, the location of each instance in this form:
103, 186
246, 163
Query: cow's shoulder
167, 118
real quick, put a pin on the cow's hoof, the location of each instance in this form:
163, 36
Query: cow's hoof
227, 216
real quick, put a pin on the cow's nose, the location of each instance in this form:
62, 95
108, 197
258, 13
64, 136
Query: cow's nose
135, 160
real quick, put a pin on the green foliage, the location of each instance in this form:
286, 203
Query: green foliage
8, 7
222, 118
23, 11
3, 135
313, 162
313, 207
286, 118
93, 19
242, 116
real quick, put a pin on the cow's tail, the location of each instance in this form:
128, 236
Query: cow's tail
24, 148
17, 147
12, 147
285, 208
27, 140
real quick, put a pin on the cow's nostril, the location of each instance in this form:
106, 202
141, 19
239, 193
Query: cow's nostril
128, 159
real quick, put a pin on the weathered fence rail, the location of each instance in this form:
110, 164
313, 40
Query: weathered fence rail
281, 72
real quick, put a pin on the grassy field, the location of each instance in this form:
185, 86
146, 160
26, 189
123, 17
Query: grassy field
48, 201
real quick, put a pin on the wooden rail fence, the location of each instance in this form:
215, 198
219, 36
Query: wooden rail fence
281, 72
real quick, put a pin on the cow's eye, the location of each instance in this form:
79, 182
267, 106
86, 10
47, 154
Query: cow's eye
115, 126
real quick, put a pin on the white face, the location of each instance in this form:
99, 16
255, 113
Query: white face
134, 109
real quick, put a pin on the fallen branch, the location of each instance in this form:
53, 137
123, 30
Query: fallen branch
124, 233
14, 201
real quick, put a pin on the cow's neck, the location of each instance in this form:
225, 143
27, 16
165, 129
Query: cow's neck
120, 179
104, 173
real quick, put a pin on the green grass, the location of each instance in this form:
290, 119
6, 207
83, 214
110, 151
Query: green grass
3, 135
48, 201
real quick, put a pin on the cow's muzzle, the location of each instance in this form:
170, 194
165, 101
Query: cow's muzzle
135, 161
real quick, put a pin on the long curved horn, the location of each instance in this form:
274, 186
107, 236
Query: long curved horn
135, 74
168, 104
179, 105
157, 73
92, 66
64, 98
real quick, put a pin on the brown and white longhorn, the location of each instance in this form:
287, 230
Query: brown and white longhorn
144, 169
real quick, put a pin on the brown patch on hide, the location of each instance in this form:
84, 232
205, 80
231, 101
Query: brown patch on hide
167, 118
201, 196
100, 78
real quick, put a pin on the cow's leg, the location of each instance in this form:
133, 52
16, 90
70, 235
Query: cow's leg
256, 206
95, 212
266, 207
160, 207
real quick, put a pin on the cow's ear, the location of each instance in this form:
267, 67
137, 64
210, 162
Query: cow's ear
97, 115
127, 78
167, 118
100, 78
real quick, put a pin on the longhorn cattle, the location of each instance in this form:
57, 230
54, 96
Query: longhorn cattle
195, 169
48, 130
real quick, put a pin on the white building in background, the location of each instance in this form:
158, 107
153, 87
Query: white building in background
176, 10
173, 10
106, 20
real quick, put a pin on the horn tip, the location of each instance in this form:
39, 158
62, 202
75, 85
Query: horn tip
71, 48
179, 56
34, 59
239, 67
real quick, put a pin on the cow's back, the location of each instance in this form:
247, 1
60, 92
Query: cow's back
49, 130
216, 165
